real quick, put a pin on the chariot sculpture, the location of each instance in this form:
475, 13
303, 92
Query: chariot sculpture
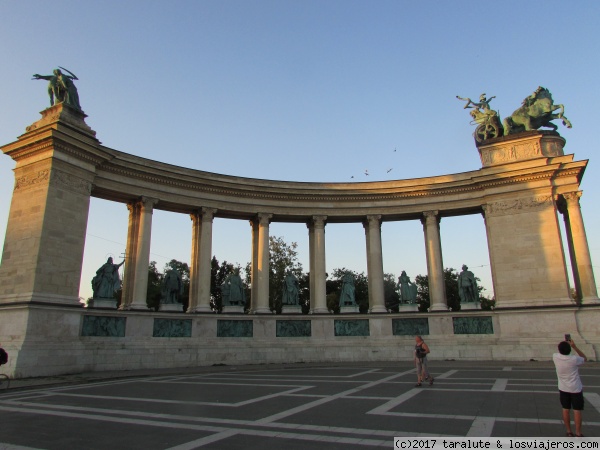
536, 111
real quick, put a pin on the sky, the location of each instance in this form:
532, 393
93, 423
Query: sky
301, 91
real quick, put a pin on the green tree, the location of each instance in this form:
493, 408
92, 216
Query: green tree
282, 257
218, 273
153, 293
390, 292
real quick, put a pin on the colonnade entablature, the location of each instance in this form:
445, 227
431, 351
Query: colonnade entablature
524, 182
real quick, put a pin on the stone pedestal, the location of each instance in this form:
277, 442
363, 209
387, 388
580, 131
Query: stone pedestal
348, 309
470, 306
103, 303
408, 307
233, 309
291, 309
172, 307
520, 147
56, 161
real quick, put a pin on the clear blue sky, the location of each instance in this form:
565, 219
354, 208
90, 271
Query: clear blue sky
304, 91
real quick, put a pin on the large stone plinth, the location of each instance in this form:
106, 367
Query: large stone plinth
53, 340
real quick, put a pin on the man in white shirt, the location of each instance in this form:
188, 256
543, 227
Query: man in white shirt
569, 383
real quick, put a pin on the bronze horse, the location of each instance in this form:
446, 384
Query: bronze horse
536, 111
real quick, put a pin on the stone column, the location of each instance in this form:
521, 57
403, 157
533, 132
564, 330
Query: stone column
130, 255
583, 273
261, 305
254, 265
140, 285
375, 264
318, 262
201, 260
311, 263
435, 266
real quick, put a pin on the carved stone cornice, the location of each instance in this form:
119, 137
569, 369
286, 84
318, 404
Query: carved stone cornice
348, 195
518, 205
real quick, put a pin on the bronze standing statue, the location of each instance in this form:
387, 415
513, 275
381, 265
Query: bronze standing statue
61, 88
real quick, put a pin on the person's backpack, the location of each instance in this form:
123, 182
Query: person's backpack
3, 356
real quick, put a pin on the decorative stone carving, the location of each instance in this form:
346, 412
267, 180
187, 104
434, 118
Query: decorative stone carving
532, 145
410, 327
357, 327
518, 205
29, 181
72, 183
293, 328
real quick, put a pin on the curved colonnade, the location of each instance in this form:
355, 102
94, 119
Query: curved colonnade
524, 182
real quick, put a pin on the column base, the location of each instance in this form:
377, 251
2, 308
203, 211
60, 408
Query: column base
590, 300
378, 310
262, 311
138, 307
319, 311
438, 307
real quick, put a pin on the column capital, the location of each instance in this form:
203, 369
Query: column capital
572, 198
147, 203
208, 214
319, 221
372, 220
430, 216
264, 218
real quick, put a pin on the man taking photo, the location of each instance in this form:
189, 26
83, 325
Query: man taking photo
569, 383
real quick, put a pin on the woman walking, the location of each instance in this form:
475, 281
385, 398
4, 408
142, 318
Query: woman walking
421, 351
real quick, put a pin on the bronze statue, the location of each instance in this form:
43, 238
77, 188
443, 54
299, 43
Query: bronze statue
61, 88
536, 111
467, 286
486, 119
107, 281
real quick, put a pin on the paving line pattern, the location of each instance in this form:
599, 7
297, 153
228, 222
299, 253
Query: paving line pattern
324, 407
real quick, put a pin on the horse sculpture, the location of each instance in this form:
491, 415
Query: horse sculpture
536, 111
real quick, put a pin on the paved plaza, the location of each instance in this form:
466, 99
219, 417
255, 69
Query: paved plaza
289, 407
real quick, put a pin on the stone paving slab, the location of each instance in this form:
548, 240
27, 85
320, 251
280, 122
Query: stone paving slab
362, 405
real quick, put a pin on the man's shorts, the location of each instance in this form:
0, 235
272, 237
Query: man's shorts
570, 400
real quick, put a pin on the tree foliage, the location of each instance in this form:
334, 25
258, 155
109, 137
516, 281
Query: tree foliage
390, 292
218, 273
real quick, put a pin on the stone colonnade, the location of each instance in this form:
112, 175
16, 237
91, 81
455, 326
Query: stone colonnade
525, 180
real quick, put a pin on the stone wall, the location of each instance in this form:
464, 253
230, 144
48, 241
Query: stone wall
62, 340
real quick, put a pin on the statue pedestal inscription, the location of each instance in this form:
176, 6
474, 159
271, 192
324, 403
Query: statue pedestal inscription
520, 147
